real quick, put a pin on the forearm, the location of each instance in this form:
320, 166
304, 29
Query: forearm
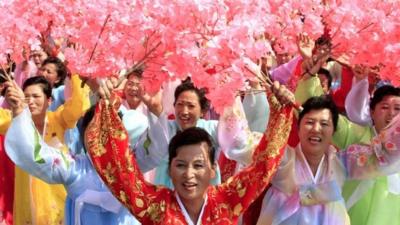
381, 157
357, 103
248, 184
116, 164
152, 146
26, 149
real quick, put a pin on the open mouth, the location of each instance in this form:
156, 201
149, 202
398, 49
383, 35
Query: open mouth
184, 119
315, 140
190, 186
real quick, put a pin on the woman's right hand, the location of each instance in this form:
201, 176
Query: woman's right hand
15, 97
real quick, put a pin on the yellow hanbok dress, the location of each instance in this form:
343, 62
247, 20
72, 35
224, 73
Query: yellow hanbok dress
36, 202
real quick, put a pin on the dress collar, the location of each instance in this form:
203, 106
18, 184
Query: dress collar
186, 214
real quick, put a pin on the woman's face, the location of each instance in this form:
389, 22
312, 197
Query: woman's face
191, 171
385, 111
49, 71
36, 99
131, 90
187, 109
38, 57
316, 131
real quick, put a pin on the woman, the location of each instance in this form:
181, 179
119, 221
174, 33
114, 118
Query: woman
375, 201
54, 70
307, 186
190, 106
88, 199
370, 201
191, 166
36, 201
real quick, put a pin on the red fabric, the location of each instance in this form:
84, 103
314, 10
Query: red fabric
6, 186
108, 147
251, 215
339, 96
294, 80
294, 136
226, 166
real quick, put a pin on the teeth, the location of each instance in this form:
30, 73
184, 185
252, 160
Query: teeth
189, 184
315, 139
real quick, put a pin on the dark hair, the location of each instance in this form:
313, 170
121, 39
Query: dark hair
136, 72
2, 77
323, 40
317, 103
381, 92
85, 120
41, 81
193, 135
187, 85
327, 74
61, 69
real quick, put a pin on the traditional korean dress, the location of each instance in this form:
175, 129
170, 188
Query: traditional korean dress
35, 201
370, 201
153, 204
88, 201
297, 197
376, 201
238, 140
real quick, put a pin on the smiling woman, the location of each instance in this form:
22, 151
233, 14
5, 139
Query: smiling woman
191, 167
307, 186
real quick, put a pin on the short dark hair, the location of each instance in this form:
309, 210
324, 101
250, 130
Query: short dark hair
320, 102
193, 135
62, 70
381, 92
327, 74
187, 85
41, 81
136, 72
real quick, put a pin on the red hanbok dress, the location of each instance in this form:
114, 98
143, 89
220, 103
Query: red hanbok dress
108, 147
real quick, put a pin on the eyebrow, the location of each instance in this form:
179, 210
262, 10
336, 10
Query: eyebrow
180, 160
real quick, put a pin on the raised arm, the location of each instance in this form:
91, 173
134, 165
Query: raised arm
241, 190
26, 149
380, 158
152, 146
234, 136
108, 146
357, 103
69, 113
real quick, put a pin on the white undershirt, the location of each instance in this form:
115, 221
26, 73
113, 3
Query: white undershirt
186, 214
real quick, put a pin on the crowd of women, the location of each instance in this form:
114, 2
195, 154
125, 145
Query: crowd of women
82, 151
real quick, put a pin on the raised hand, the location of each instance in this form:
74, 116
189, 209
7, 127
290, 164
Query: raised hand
305, 46
153, 102
15, 97
283, 94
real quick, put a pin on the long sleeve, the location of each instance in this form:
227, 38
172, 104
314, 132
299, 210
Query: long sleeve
69, 113
256, 108
284, 72
357, 103
242, 189
234, 136
339, 95
5, 120
348, 133
117, 166
152, 146
27, 150
308, 88
381, 158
